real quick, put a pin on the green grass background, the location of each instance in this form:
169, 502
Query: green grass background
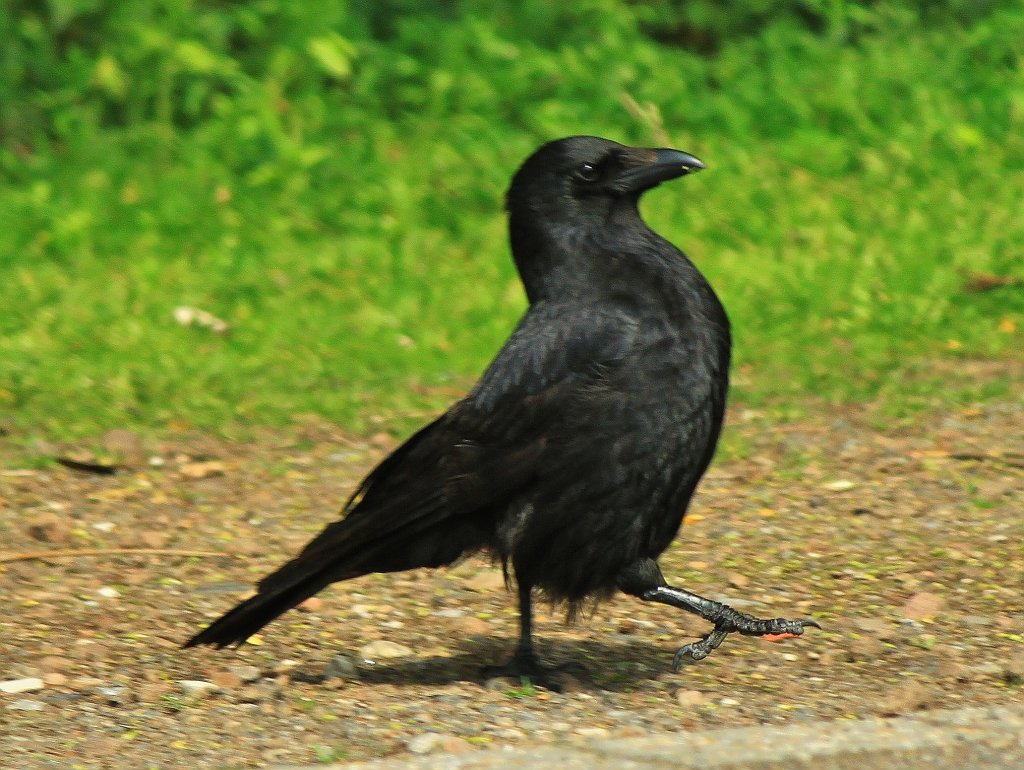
328, 178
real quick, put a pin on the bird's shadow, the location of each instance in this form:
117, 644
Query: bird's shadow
615, 665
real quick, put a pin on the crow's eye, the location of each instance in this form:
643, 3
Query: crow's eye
588, 172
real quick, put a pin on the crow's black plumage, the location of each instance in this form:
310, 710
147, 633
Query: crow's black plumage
574, 457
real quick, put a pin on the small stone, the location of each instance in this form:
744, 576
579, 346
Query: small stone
117, 696
690, 698
909, 696
54, 663
923, 606
86, 683
1013, 668
196, 687
384, 650
951, 668
312, 604
227, 680
48, 527
876, 627
485, 581
202, 469
153, 539
452, 744
107, 592
24, 704
591, 732
54, 679
247, 674
728, 702
28, 684
125, 445
425, 743
341, 667
151, 692
509, 734
865, 648
473, 626
988, 669
89, 649
736, 580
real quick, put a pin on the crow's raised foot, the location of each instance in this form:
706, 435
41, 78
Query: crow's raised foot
773, 629
526, 666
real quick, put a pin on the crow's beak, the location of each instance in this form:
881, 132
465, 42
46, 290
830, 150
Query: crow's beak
648, 168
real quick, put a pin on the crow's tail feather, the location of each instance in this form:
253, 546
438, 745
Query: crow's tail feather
238, 624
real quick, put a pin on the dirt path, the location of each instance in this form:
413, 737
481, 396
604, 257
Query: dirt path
905, 544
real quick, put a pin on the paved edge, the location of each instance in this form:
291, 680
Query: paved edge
984, 738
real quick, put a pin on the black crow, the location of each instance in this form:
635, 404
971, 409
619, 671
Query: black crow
574, 458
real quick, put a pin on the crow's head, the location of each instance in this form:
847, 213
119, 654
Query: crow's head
583, 176
575, 199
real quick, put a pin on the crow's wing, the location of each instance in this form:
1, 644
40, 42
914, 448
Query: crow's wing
438, 495
454, 475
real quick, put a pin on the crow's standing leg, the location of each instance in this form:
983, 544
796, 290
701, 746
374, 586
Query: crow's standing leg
524, 662
644, 579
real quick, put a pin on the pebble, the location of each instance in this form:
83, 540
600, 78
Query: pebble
152, 692
485, 581
427, 743
246, 673
14, 686
126, 445
509, 734
55, 663
341, 667
117, 696
923, 605
474, 626
909, 696
48, 527
196, 686
876, 627
227, 680
690, 697
383, 650
987, 669
1013, 667
54, 679
737, 580
312, 604
108, 593
24, 704
450, 612
977, 621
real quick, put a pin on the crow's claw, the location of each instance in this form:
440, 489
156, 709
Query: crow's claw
772, 630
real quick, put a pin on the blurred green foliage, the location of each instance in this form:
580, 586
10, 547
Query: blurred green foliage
327, 178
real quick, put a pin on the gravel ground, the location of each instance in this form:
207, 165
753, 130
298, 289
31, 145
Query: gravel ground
905, 543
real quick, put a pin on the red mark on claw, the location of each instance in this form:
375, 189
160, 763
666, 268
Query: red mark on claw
778, 637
